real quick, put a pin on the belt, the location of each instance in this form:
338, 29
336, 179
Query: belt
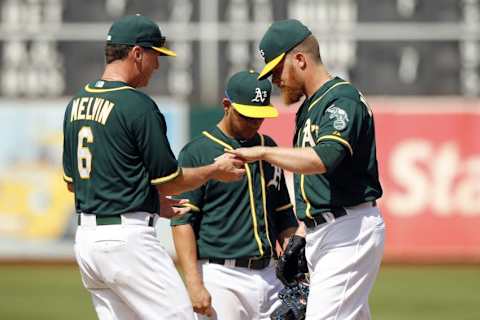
335, 213
142, 218
250, 263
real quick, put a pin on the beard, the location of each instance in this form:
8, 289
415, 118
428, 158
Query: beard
291, 95
292, 90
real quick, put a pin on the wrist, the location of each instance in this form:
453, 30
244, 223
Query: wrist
193, 280
263, 152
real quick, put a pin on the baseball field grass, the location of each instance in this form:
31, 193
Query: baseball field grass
401, 293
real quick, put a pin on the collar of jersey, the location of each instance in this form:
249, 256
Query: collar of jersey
306, 103
327, 85
234, 143
108, 86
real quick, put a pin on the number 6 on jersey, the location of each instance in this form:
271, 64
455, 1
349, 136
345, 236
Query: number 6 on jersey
84, 156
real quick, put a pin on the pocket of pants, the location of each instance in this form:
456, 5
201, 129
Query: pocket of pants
107, 246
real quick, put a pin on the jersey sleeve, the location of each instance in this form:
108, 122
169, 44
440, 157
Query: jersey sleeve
150, 132
195, 197
339, 125
67, 152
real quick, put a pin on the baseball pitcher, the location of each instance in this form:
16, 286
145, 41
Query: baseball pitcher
336, 173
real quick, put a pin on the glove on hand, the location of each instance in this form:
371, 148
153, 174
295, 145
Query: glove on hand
290, 263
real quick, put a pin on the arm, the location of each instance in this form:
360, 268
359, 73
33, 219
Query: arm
298, 160
225, 168
185, 246
283, 238
70, 187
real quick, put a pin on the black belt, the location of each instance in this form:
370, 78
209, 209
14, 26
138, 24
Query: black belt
336, 212
109, 220
250, 263
320, 219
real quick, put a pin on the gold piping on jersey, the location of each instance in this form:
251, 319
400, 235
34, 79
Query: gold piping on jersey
252, 206
304, 196
302, 176
191, 205
285, 207
92, 90
315, 102
264, 199
338, 139
208, 135
67, 178
250, 192
167, 178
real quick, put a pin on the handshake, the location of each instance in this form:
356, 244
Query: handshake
230, 164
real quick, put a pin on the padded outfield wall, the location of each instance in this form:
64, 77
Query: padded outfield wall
428, 151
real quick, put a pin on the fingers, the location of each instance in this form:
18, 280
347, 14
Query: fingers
236, 153
202, 303
181, 210
169, 201
170, 207
238, 163
204, 310
209, 311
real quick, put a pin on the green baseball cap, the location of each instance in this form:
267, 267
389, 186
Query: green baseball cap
281, 37
250, 96
138, 30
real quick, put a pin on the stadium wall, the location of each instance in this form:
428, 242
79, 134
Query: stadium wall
428, 152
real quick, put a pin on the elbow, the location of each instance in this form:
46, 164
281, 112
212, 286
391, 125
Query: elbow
168, 189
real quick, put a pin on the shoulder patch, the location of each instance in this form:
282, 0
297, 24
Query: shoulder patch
340, 117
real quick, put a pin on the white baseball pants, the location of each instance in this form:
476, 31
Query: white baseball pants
128, 273
343, 258
241, 293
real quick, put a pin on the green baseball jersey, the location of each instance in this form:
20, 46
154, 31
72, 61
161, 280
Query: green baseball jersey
338, 123
115, 149
236, 219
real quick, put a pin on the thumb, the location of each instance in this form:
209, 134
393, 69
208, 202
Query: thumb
209, 312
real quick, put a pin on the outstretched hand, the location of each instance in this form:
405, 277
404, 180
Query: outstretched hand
251, 154
228, 168
170, 207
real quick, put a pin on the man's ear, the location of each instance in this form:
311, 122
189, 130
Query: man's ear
300, 60
226, 105
137, 53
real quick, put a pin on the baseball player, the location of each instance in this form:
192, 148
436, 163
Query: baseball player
117, 160
336, 173
233, 227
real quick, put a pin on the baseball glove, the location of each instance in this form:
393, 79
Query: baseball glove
294, 302
292, 264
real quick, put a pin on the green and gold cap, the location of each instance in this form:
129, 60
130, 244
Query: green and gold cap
281, 37
138, 30
250, 96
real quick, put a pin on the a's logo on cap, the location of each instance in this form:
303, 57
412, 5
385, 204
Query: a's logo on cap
260, 95
109, 37
262, 53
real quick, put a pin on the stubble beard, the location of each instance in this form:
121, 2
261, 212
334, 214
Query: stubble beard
292, 92
291, 95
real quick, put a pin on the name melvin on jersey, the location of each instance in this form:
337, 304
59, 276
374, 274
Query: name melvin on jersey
90, 108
